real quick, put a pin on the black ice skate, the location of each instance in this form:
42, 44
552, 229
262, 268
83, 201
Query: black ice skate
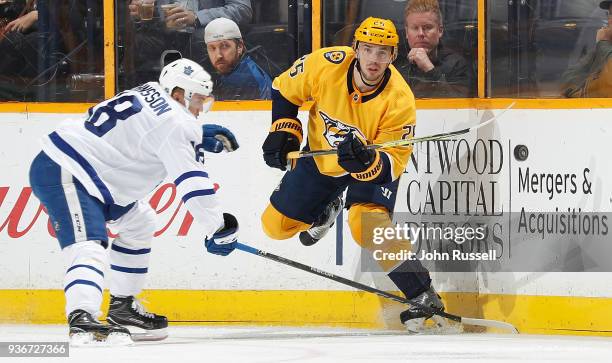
129, 312
325, 221
414, 318
84, 329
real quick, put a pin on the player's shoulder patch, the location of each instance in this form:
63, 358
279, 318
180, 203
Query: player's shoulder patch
335, 56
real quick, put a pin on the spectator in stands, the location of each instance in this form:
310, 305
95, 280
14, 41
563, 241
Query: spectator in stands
238, 76
238, 10
18, 46
207, 10
45, 45
592, 75
431, 70
181, 29
22, 22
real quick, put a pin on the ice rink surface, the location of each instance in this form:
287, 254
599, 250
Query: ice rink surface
272, 344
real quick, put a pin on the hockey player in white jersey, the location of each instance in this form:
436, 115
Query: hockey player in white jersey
98, 170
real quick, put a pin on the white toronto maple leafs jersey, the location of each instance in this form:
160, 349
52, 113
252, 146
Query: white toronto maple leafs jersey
126, 146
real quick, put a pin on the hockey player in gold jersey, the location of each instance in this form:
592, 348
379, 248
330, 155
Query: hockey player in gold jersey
358, 98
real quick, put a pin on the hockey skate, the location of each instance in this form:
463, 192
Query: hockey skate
143, 325
85, 330
325, 221
416, 320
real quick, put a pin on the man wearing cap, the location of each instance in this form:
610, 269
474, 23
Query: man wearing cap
238, 76
181, 30
592, 75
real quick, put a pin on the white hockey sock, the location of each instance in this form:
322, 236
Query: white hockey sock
129, 267
84, 278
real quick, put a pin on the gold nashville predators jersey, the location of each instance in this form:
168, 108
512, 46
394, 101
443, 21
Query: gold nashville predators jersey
384, 114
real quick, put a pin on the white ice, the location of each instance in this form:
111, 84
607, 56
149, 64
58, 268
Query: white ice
274, 344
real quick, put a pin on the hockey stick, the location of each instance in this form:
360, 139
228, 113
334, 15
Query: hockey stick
360, 286
394, 143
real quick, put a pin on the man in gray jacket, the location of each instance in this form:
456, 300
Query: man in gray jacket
239, 11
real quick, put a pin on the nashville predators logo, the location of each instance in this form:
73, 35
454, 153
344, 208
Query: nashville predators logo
336, 56
336, 131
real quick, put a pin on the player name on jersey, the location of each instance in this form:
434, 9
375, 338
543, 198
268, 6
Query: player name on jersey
154, 99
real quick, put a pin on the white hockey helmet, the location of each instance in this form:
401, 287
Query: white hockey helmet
188, 75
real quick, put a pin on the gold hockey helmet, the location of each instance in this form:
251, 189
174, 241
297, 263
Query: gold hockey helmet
377, 31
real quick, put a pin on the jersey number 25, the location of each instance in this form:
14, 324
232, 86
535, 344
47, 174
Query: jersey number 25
298, 67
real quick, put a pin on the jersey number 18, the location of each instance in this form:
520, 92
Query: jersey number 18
103, 117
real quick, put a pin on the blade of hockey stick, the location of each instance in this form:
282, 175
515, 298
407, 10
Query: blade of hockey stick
395, 143
363, 287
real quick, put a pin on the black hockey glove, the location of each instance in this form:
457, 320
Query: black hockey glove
353, 155
284, 137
